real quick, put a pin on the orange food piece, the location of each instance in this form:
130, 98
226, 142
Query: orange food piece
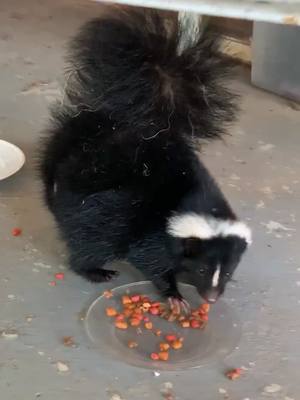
120, 317
195, 313
154, 310
146, 305
170, 338
130, 306
111, 312
177, 344
121, 324
158, 332
154, 356
135, 299
148, 325
126, 300
16, 231
205, 308
185, 324
164, 346
204, 317
60, 276
132, 344
127, 313
134, 321
195, 324
138, 316
155, 304
163, 355
108, 294
68, 341
234, 373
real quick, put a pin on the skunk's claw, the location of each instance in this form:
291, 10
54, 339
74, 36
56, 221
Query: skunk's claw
179, 305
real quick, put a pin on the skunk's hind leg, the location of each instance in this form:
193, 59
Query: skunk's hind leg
91, 270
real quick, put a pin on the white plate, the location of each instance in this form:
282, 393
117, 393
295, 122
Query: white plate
11, 159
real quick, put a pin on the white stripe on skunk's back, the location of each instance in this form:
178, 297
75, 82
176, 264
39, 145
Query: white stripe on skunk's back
189, 27
188, 225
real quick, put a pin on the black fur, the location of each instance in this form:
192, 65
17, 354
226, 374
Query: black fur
119, 159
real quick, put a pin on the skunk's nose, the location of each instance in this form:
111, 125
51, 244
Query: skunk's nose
211, 295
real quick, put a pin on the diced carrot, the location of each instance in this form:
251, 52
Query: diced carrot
204, 317
148, 325
132, 344
135, 299
134, 322
185, 324
130, 306
195, 324
195, 313
154, 356
164, 346
16, 231
163, 355
126, 300
176, 345
121, 324
137, 316
127, 313
145, 298
111, 312
234, 373
154, 310
108, 294
205, 307
170, 338
158, 332
155, 304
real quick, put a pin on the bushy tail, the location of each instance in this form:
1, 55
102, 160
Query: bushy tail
150, 70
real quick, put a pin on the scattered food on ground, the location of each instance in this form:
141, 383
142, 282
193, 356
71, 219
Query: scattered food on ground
16, 232
234, 373
60, 276
62, 367
68, 341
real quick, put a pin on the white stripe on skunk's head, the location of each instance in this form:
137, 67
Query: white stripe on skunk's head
192, 225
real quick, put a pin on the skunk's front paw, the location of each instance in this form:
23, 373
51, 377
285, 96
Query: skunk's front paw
179, 305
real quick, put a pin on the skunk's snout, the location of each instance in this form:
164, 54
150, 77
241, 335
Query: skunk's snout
211, 295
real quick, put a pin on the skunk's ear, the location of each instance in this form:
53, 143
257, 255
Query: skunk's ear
191, 247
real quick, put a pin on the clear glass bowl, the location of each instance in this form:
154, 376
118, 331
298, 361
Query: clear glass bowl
214, 342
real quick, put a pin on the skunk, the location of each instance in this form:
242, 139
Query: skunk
120, 163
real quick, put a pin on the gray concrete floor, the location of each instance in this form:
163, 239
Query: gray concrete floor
258, 168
